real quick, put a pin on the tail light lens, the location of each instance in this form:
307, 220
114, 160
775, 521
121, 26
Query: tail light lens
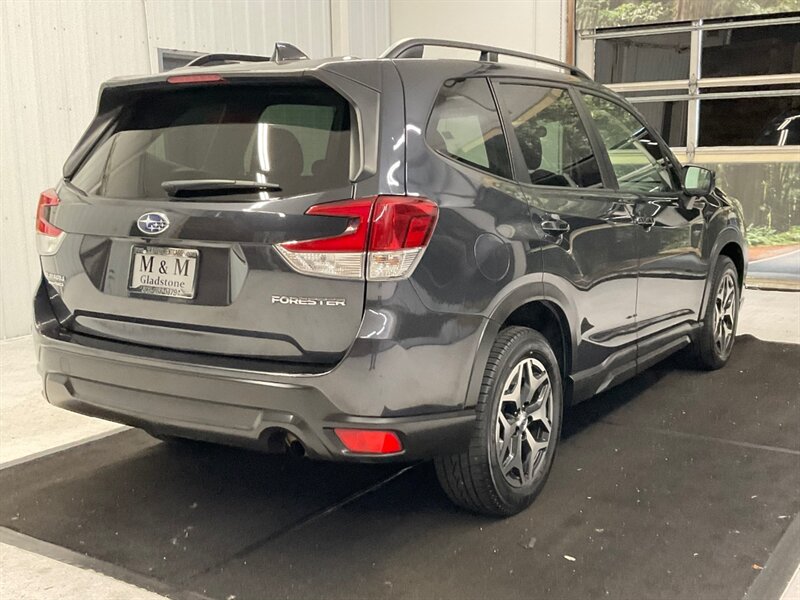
369, 441
48, 236
400, 232
387, 234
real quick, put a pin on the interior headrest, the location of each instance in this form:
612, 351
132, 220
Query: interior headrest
436, 140
284, 154
530, 141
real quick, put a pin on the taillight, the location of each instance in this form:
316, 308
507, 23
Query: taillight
368, 441
401, 229
388, 234
341, 256
48, 236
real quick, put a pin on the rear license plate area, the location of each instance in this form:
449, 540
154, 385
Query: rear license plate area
163, 272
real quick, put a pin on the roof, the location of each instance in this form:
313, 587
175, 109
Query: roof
289, 60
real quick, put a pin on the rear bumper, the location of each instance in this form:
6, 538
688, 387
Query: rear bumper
249, 426
237, 406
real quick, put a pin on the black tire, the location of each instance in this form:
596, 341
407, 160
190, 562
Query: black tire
474, 479
709, 353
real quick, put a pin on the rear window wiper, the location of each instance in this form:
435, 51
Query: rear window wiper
188, 188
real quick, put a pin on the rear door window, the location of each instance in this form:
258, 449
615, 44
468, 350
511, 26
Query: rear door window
465, 126
552, 138
297, 136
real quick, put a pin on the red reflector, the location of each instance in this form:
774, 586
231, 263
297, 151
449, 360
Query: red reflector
369, 441
201, 78
402, 222
47, 200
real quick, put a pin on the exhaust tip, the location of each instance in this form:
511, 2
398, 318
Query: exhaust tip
294, 446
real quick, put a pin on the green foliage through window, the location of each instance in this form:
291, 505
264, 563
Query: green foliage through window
614, 13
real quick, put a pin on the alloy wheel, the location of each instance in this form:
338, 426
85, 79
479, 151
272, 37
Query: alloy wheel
524, 422
724, 315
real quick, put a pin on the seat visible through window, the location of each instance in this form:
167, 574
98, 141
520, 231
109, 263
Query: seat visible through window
551, 136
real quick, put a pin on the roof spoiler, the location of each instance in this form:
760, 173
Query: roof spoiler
414, 48
283, 52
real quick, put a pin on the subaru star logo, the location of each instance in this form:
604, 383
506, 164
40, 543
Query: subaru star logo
152, 223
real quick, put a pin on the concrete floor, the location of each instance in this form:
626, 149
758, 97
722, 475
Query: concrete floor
29, 426
28, 576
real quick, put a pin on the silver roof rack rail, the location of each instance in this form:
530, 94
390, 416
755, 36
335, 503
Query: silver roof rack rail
414, 48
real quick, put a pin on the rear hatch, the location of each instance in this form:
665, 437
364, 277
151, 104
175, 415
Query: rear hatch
172, 219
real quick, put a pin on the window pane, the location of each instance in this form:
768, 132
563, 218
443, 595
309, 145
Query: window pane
175, 59
297, 137
170, 62
465, 126
311, 125
668, 119
637, 159
553, 140
642, 58
763, 50
750, 122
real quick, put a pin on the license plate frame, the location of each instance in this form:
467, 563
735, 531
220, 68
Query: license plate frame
171, 282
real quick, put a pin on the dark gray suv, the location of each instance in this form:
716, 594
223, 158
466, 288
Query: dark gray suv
376, 260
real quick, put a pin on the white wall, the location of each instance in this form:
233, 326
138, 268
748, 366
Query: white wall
53, 57
360, 27
249, 27
537, 26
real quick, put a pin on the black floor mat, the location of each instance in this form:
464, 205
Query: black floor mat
678, 484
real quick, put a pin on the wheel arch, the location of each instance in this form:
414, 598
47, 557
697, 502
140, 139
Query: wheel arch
537, 311
730, 243
546, 317
734, 251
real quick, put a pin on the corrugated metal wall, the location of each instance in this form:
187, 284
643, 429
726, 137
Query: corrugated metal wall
53, 57
237, 26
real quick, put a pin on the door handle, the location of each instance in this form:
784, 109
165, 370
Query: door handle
555, 226
644, 221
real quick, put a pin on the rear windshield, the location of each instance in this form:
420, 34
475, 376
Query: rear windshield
296, 136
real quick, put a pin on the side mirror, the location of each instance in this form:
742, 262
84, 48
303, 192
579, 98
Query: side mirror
698, 181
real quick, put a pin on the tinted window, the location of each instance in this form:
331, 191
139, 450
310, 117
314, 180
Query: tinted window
642, 58
762, 50
637, 158
465, 126
554, 143
295, 136
668, 119
750, 121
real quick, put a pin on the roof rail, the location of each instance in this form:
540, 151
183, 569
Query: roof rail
211, 60
414, 47
282, 52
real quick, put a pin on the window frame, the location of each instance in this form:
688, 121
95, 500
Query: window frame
486, 171
675, 165
608, 180
188, 55
697, 88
